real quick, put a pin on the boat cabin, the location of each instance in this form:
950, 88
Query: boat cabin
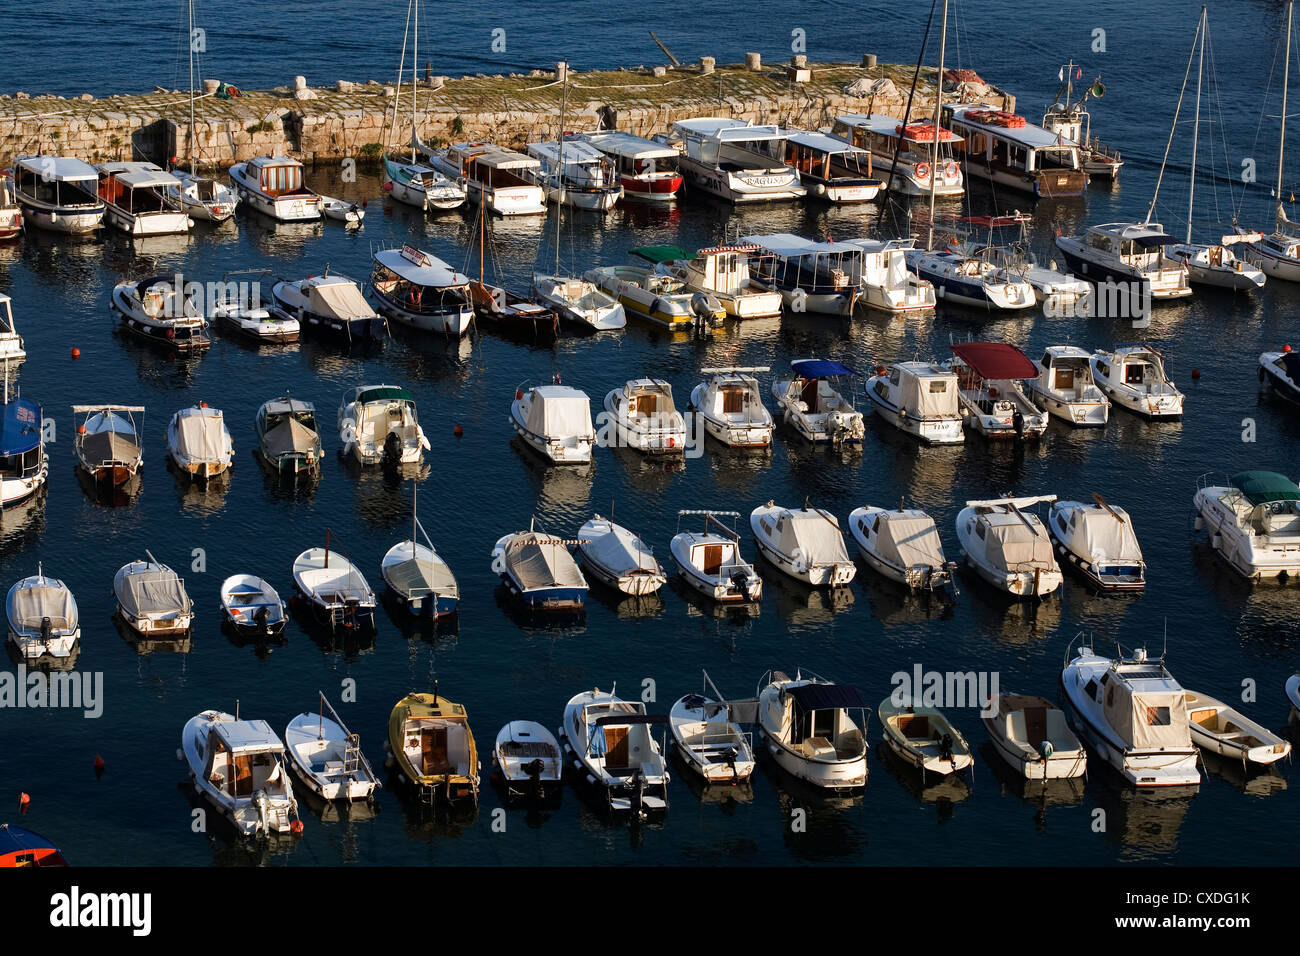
1138, 245
1139, 367
22, 449
242, 757
1014, 152
646, 168
278, 176
584, 166
56, 181
724, 269
1068, 370
832, 168
136, 188
881, 135
921, 390
491, 166
1143, 705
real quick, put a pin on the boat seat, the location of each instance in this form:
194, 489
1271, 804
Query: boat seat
915, 726
818, 747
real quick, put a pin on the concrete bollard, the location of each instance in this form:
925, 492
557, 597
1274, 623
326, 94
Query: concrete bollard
753, 62
561, 72
659, 71
707, 63
299, 83
799, 61
437, 82
869, 60
211, 86
344, 86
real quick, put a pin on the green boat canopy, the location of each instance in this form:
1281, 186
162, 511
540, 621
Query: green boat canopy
382, 393
1259, 487
661, 254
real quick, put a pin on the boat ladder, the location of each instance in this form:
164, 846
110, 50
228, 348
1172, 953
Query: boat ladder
351, 754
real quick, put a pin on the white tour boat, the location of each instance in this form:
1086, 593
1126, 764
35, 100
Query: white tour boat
58, 193
735, 160
419, 290
902, 154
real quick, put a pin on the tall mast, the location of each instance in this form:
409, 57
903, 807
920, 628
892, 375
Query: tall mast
938, 102
190, 42
415, 77
1196, 124
559, 173
1281, 140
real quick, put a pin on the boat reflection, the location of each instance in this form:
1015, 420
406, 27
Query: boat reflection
562, 492
895, 603
1144, 823
442, 632
800, 605
201, 497
351, 643
1011, 619
107, 495
231, 849
538, 623
145, 646
697, 605
626, 606
1261, 782
943, 791
1044, 794
726, 797
22, 524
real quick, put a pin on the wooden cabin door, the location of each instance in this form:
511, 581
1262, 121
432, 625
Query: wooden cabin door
433, 750
712, 558
616, 746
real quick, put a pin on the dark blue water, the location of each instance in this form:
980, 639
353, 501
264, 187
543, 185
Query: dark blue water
1219, 631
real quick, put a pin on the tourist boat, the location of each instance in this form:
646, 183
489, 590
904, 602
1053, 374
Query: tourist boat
805, 543
1133, 714
1133, 259
555, 422
418, 575
430, 739
612, 744
644, 417
274, 185
11, 214
12, 353
575, 173
1098, 540
809, 403
710, 562
528, 756
831, 169
23, 463
44, 625
1278, 255
1065, 387
327, 756
239, 766
107, 443
919, 398
1226, 731
1134, 377
808, 726
421, 186
731, 406
1009, 151
252, 607
721, 273
23, 848
1071, 121
58, 193
378, 425
647, 171
156, 311
421, 291
904, 546
619, 558
330, 305
884, 281
199, 442
923, 737
903, 153
335, 590
708, 740
579, 301
735, 160
1031, 734
1253, 522
151, 599
1280, 372
657, 297
340, 210
539, 571
811, 276
200, 197
287, 437
493, 177
971, 279
242, 312
1008, 547
993, 396
136, 201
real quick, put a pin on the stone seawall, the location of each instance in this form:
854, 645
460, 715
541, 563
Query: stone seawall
354, 119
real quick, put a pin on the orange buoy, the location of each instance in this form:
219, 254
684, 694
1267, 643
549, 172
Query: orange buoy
76, 352
1286, 348
23, 801
458, 431
99, 766
519, 393
81, 429
295, 827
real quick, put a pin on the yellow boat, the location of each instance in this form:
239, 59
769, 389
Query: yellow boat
430, 739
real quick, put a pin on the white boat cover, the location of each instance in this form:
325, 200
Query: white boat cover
816, 535
558, 411
288, 437
108, 447
32, 604
1100, 533
929, 396
617, 549
540, 561
909, 538
1015, 547
341, 299
202, 437
420, 575
152, 592
1148, 712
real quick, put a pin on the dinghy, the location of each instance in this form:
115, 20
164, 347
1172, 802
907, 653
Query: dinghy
430, 740
993, 398
645, 418
252, 607
44, 625
923, 737
904, 546
809, 729
287, 438
1032, 736
528, 756
539, 571
1065, 387
1007, 547
199, 442
157, 312
107, 443
618, 558
805, 543
341, 210
708, 740
244, 314
238, 765
1098, 540
334, 589
812, 407
327, 756
580, 302
919, 398
151, 599
1224, 730
709, 560
418, 575
731, 406
1134, 377
378, 424
23, 848
554, 421
612, 744
1253, 521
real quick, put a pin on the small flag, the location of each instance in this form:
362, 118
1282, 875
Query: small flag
1060, 74
1078, 72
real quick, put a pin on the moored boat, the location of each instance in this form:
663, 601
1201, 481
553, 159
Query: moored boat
1224, 730
335, 589
903, 153
1253, 521
330, 305
555, 422
378, 424
644, 417
735, 160
919, 398
710, 562
993, 396
151, 599
107, 444
44, 624
731, 405
418, 575
157, 311
805, 543
809, 729
528, 756
58, 193
1098, 540
430, 739
1032, 735
1280, 372
252, 607
708, 740
904, 546
613, 746
274, 185
539, 571
238, 765
1008, 547
137, 201
23, 848
1065, 387
923, 737
1134, 377
419, 290
647, 170
327, 756
199, 443
619, 558
809, 403
24, 466
287, 436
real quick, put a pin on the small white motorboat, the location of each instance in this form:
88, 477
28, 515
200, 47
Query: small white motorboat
904, 546
252, 607
335, 589
1008, 547
274, 185
1031, 734
1214, 263
539, 571
923, 737
378, 424
580, 302
1065, 387
1224, 730
1280, 372
44, 625
612, 744
993, 396
287, 437
710, 562
159, 313
200, 197
421, 186
327, 756
619, 558
330, 305
1253, 522
809, 403
554, 421
731, 406
242, 312
108, 443
1099, 541
805, 543
809, 729
709, 741
199, 442
417, 573
341, 210
920, 398
644, 417
528, 756
151, 598
239, 766
575, 173
1134, 377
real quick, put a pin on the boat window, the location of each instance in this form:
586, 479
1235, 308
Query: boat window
979, 529
1091, 689
1019, 157
938, 385
1098, 241
894, 377
1133, 374
875, 525
824, 723
1157, 716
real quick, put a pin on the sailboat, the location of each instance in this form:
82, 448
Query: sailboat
509, 312
418, 575
1278, 255
413, 182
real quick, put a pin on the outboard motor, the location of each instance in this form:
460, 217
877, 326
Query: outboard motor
945, 748
47, 631
740, 581
263, 804
1018, 421
263, 619
393, 450
534, 770
638, 793
1045, 750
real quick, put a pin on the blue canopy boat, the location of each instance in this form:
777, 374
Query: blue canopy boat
23, 467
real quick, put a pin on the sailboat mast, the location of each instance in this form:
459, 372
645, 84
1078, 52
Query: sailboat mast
559, 173
190, 41
415, 75
415, 521
1281, 140
938, 103
1196, 125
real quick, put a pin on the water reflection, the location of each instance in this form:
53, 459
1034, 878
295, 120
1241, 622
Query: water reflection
944, 791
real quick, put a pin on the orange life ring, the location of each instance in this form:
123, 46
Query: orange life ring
413, 297
950, 170
922, 170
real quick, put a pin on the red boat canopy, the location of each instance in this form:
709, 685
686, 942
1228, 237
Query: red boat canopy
992, 360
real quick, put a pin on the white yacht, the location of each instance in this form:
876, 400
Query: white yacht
202, 198
1008, 547
493, 176
993, 396
647, 170
810, 404
735, 160
137, 201
44, 624
731, 406
1098, 540
1065, 387
239, 766
809, 729
1134, 377
1131, 256
1253, 522
902, 153
643, 417
920, 398
1216, 264
1007, 150
805, 543
274, 185
579, 301
554, 421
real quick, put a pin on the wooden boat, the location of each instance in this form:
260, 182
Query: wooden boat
199, 442
810, 729
274, 185
157, 312
539, 571
44, 625
710, 562
611, 743
23, 848
418, 575
805, 543
1226, 731
923, 737
528, 757
252, 607
287, 439
340, 210
731, 406
136, 199
1031, 734
58, 193
238, 765
151, 599
335, 589
327, 756
506, 311
709, 741
618, 558
430, 739
107, 443
904, 546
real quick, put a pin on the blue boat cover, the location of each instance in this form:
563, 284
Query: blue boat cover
820, 368
20, 426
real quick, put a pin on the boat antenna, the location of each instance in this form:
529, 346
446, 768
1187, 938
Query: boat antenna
236, 708
327, 547
320, 732
938, 103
